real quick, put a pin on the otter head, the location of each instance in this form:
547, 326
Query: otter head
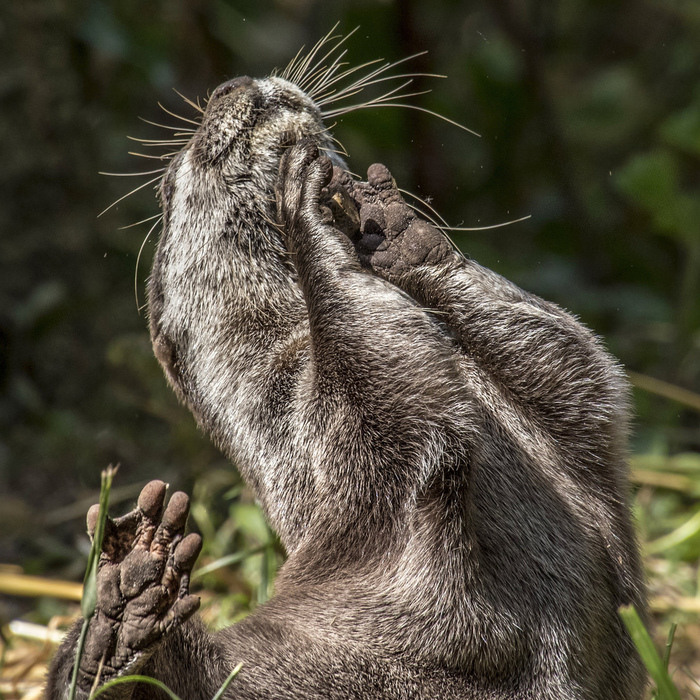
246, 127
220, 258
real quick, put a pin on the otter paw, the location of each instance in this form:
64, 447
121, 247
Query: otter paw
393, 238
142, 583
303, 175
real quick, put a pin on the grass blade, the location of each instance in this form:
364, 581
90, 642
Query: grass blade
227, 682
136, 679
666, 690
89, 601
669, 644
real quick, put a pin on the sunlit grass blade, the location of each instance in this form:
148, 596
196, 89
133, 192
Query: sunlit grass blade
684, 532
227, 561
669, 644
227, 682
89, 601
666, 690
135, 679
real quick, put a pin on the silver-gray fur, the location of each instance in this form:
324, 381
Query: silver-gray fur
442, 454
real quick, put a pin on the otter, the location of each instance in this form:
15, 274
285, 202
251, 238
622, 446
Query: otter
442, 454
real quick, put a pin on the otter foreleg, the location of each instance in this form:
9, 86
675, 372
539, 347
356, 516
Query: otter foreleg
549, 364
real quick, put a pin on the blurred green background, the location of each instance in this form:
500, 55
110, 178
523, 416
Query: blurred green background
589, 115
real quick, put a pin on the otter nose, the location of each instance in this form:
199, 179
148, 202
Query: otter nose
231, 85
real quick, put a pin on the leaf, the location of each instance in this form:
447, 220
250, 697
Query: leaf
682, 129
652, 181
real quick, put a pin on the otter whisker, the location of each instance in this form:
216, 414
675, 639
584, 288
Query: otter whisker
386, 99
146, 172
319, 68
341, 111
340, 145
159, 218
159, 142
165, 156
181, 129
316, 91
366, 79
327, 149
138, 223
319, 76
327, 132
386, 66
485, 228
294, 66
195, 105
294, 72
301, 74
431, 218
335, 97
177, 116
285, 73
324, 83
163, 144
136, 189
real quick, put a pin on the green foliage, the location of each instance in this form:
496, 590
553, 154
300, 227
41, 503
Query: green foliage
665, 689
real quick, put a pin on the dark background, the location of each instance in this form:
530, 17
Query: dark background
589, 115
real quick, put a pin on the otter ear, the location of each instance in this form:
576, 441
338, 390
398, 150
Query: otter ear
166, 353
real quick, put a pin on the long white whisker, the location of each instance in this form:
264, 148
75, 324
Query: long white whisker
290, 66
328, 149
138, 223
181, 129
161, 145
165, 156
136, 189
159, 218
384, 98
320, 72
425, 204
303, 66
165, 142
485, 228
146, 172
303, 78
326, 82
340, 111
334, 97
376, 72
189, 102
177, 116
323, 88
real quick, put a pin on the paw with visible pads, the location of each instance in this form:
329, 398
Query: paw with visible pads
142, 584
392, 238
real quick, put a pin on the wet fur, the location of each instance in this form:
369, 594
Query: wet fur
442, 454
